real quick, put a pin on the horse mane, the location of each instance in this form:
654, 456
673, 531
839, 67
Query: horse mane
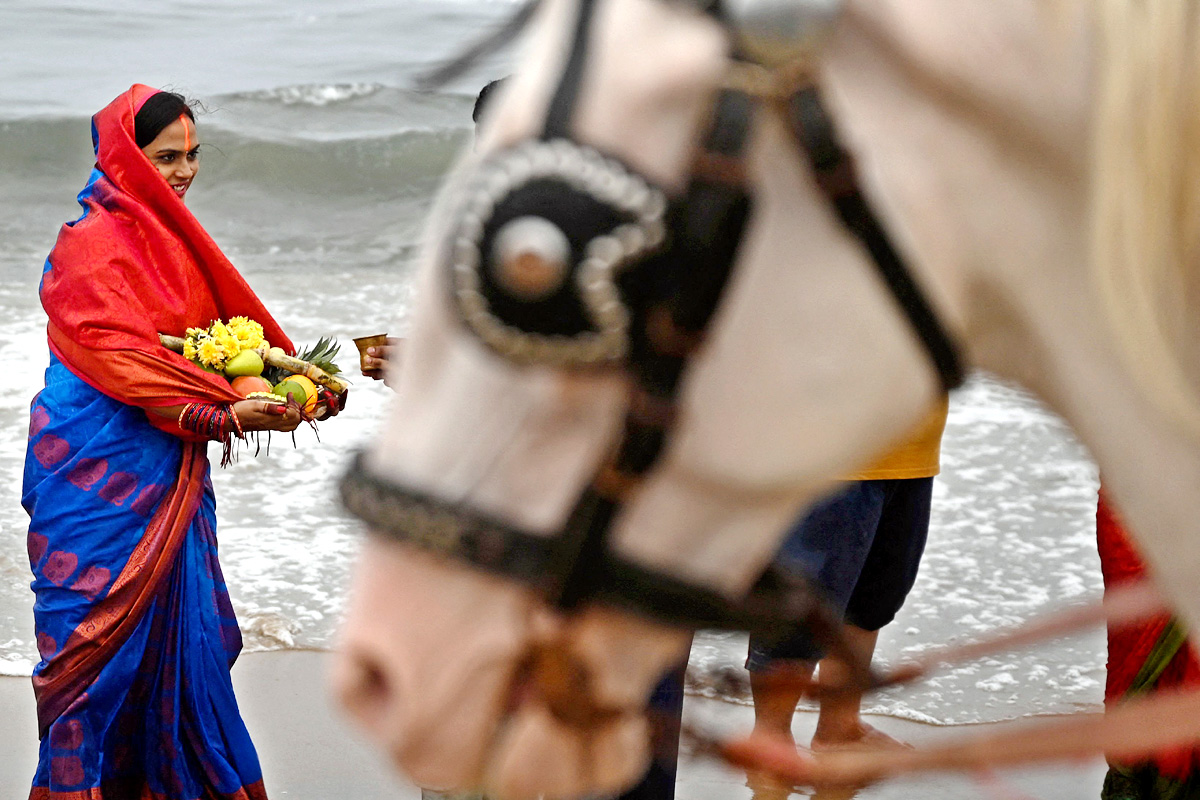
1145, 205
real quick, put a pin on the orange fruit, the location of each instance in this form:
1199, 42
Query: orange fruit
245, 384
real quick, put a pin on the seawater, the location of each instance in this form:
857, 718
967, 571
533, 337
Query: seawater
319, 164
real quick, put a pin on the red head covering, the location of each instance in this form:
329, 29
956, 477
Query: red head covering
138, 264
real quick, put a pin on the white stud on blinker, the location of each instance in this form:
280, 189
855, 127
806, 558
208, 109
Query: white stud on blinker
530, 258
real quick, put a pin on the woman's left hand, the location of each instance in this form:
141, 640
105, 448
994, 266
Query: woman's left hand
329, 404
260, 415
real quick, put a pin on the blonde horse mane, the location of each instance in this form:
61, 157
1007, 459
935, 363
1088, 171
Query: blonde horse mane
1146, 192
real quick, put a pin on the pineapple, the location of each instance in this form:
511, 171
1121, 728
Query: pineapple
320, 355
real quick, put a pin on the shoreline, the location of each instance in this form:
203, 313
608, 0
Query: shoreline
310, 752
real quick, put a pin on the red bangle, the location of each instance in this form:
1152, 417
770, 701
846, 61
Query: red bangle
211, 421
185, 414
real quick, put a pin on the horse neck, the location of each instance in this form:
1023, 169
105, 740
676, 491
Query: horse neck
1081, 112
962, 113
1022, 69
931, 94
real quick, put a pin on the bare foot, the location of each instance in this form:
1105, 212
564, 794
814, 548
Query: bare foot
862, 737
773, 762
766, 787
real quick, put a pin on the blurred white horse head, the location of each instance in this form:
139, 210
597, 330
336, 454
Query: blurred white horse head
1036, 164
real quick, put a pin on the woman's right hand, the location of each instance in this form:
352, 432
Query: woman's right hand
262, 415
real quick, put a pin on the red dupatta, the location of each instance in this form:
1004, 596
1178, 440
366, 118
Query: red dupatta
138, 264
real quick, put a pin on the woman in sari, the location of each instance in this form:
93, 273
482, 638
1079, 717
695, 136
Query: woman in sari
1150, 656
133, 622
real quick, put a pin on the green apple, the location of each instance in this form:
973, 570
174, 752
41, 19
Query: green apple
247, 362
289, 387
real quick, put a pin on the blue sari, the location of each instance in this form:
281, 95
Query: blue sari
133, 620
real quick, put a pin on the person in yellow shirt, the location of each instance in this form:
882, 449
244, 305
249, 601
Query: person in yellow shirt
862, 545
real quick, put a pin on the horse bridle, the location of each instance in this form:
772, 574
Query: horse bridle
562, 255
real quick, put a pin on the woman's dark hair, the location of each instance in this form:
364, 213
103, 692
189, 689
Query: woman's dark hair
159, 111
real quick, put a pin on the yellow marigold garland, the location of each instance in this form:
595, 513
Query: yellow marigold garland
248, 333
213, 346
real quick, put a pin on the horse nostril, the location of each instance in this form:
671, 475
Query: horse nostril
373, 682
362, 686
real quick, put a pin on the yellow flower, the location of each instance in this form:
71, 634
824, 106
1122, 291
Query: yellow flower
215, 345
230, 344
248, 332
211, 354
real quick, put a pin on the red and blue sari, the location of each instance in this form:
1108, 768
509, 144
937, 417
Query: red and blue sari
134, 625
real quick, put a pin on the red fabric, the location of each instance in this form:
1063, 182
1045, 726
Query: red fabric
139, 264
1130, 646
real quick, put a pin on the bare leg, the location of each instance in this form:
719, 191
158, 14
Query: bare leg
775, 701
774, 705
839, 723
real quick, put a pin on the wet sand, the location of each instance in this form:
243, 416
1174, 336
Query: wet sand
309, 752
708, 780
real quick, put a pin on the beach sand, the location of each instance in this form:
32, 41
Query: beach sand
309, 752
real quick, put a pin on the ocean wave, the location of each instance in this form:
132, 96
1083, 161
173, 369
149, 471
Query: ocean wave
337, 140
14, 666
314, 94
336, 110
395, 163
397, 158
308, 110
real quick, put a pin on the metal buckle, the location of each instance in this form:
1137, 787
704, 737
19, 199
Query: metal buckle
779, 32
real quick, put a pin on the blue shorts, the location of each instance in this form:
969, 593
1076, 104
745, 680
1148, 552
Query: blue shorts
862, 545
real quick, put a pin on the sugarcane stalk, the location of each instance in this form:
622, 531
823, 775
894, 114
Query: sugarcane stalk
276, 358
